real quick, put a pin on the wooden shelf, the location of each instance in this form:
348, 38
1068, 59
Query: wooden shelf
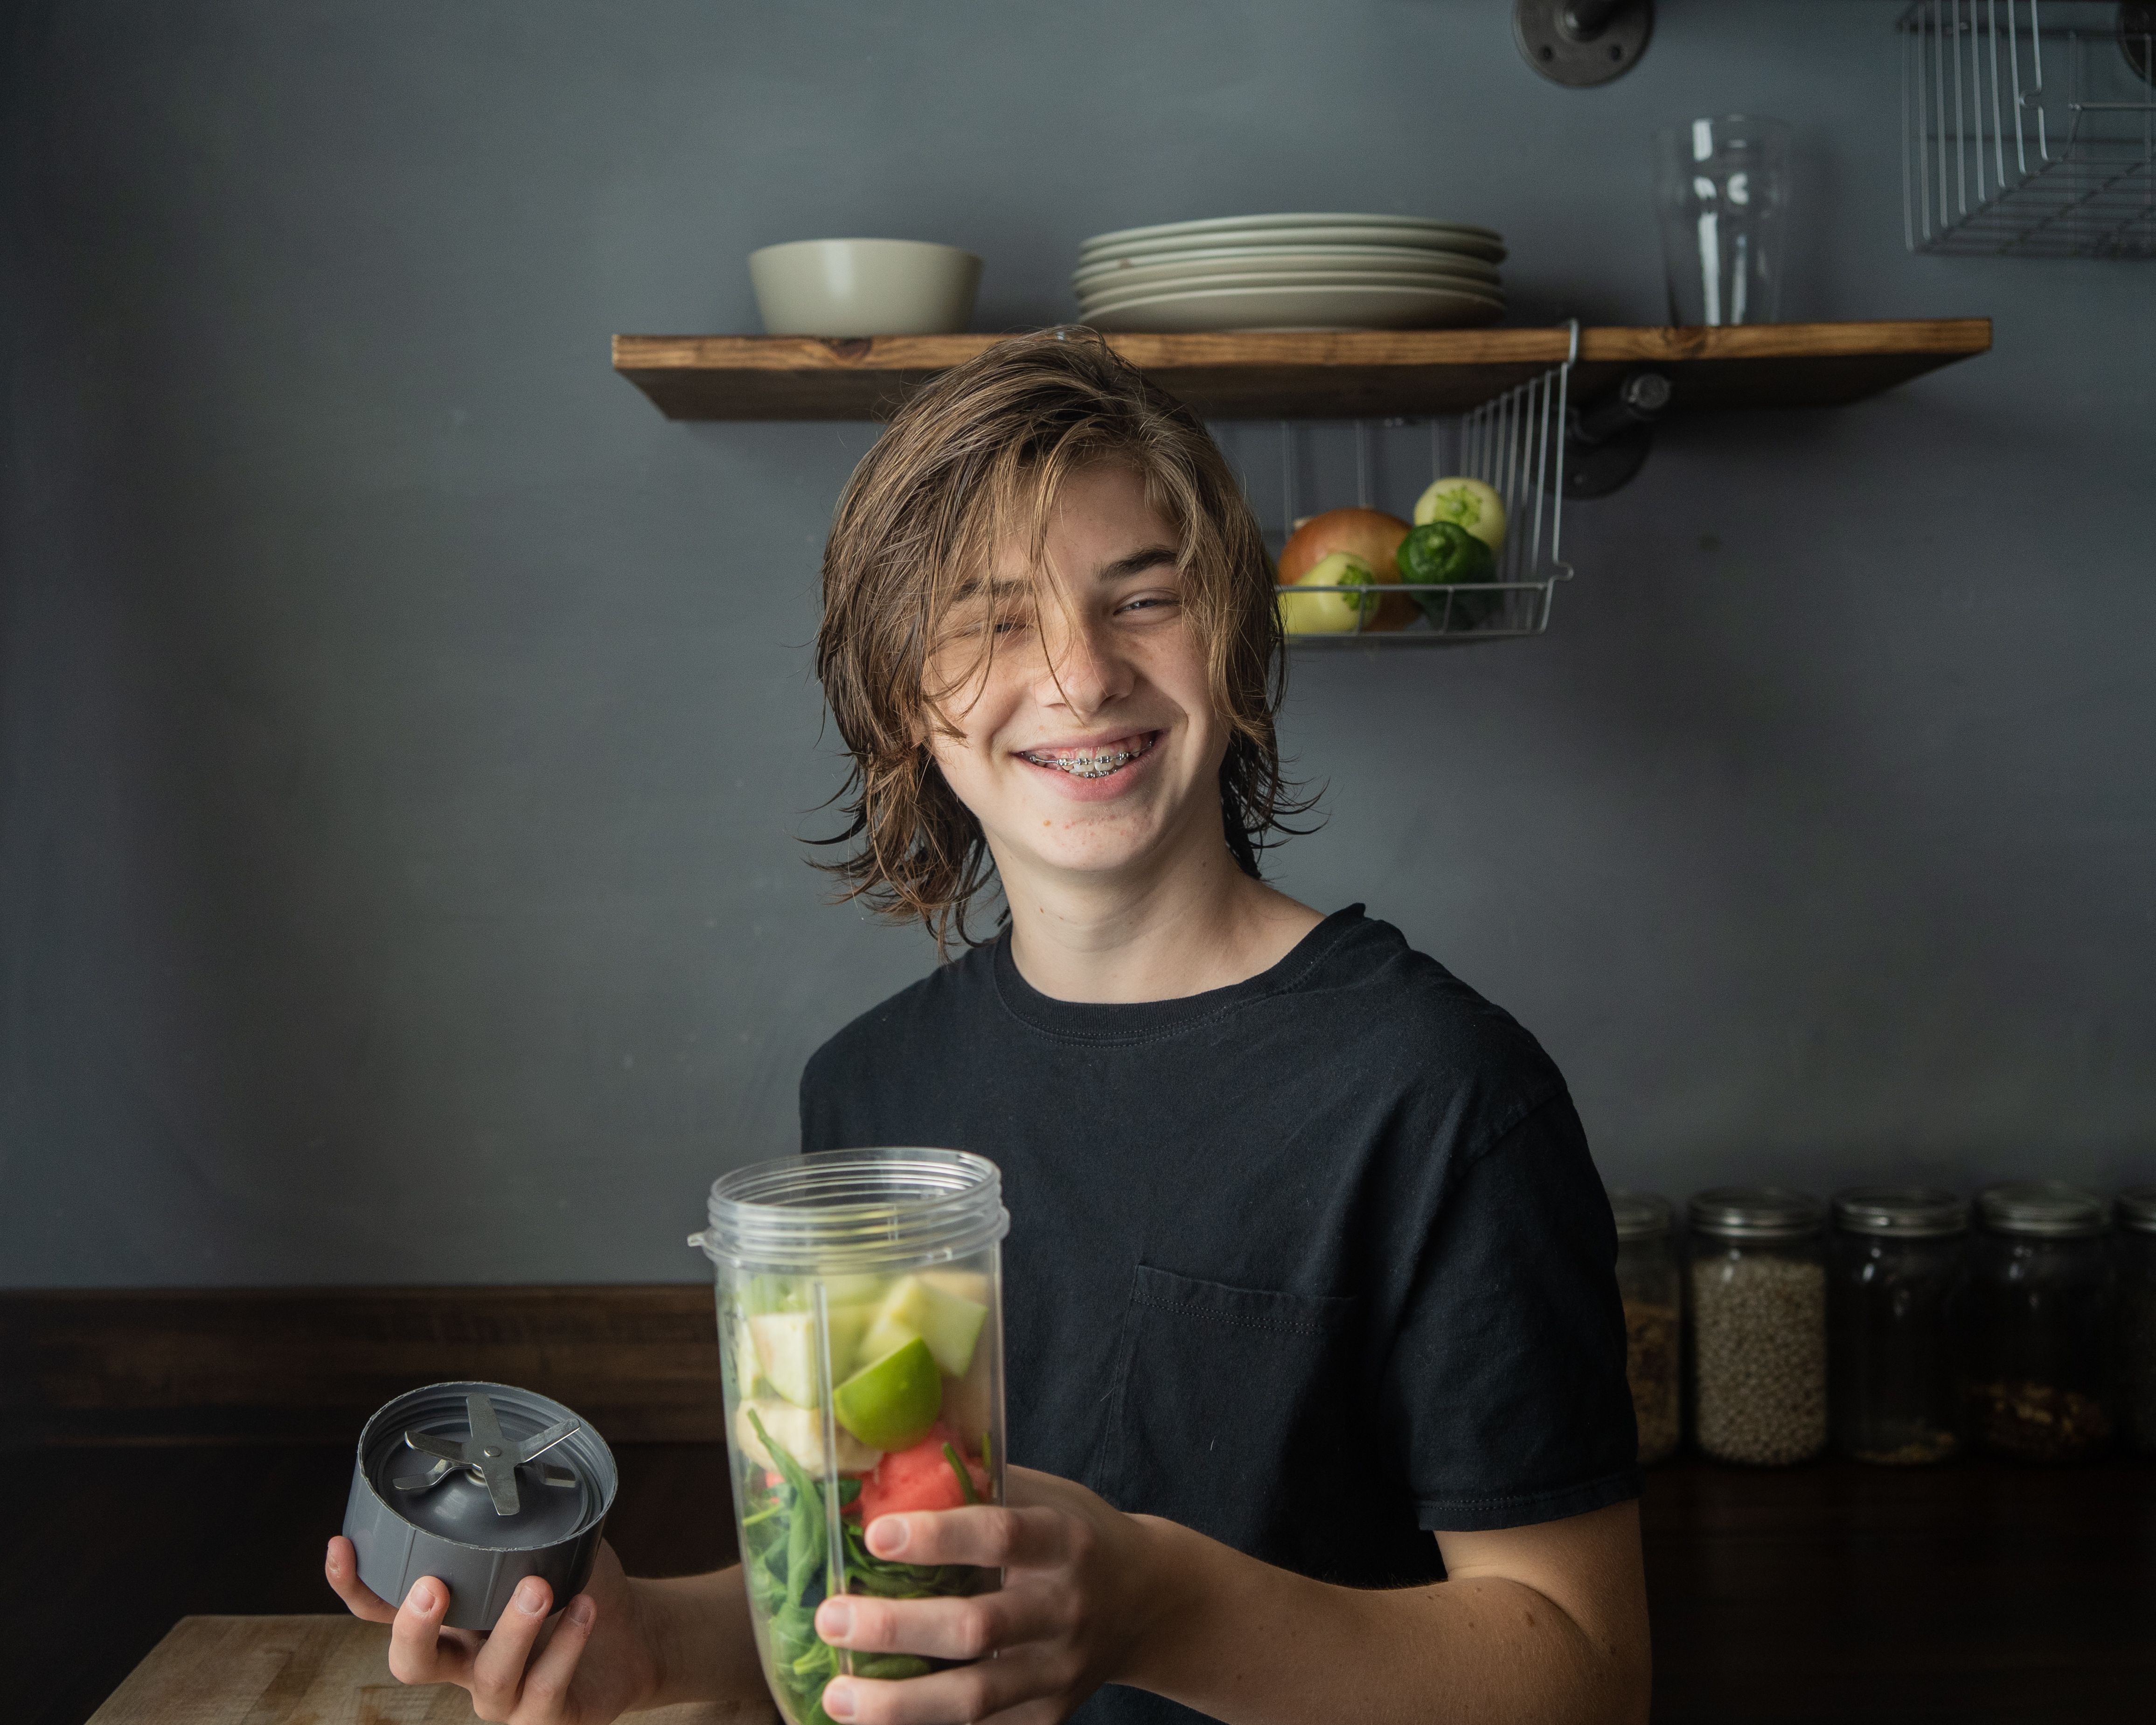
1365, 374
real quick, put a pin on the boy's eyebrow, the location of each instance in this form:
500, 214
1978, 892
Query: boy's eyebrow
1136, 561
973, 587
1132, 563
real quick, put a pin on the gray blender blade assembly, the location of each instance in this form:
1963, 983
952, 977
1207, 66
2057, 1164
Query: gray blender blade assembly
479, 1485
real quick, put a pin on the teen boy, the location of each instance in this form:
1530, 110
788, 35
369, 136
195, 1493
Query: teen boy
1316, 1361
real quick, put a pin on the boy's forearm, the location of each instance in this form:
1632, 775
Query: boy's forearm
701, 1640
1253, 1645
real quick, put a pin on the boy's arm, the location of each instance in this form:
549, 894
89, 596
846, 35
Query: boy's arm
1541, 1623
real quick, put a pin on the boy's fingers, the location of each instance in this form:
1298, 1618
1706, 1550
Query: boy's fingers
420, 1652
969, 1692
546, 1684
993, 1538
340, 1570
936, 1628
497, 1676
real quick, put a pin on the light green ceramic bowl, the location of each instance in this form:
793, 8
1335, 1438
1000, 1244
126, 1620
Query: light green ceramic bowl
864, 287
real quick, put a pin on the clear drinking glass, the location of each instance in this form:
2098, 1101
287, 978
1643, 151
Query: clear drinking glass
860, 1342
1721, 188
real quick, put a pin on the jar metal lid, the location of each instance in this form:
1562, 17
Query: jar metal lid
1755, 1212
1906, 1212
2137, 1209
2052, 1208
1640, 1215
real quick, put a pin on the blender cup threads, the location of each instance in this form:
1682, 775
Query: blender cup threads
479, 1485
860, 1341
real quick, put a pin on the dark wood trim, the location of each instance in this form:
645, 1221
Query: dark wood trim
1360, 374
200, 1365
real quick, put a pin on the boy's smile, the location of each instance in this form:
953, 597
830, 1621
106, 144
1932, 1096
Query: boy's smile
1093, 762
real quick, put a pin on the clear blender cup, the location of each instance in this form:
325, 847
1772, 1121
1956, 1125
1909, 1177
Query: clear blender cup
860, 1340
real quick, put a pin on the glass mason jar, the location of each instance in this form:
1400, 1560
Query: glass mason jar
1896, 1386
2137, 1316
1652, 1287
860, 1342
1757, 1315
2040, 1384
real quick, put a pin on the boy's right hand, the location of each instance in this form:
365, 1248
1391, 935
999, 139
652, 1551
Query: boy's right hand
584, 1667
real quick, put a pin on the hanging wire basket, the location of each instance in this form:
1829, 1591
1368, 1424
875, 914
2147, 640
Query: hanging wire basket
2026, 132
1515, 445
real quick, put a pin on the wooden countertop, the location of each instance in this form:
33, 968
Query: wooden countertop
307, 1671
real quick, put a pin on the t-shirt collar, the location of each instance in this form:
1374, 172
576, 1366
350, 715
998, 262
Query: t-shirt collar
1142, 1020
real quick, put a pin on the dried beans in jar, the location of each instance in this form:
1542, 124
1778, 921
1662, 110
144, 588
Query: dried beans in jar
1758, 1317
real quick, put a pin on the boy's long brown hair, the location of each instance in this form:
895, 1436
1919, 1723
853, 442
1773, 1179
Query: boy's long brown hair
978, 454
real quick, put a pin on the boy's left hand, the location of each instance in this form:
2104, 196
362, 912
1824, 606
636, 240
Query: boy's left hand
1078, 1593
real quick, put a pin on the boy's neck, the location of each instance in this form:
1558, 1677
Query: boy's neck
1198, 924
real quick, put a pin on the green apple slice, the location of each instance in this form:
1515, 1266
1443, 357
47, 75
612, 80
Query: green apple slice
947, 1322
891, 1404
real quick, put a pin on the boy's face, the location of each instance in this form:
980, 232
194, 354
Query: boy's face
1090, 744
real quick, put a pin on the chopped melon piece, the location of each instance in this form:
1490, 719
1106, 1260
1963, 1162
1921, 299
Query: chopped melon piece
798, 1431
948, 1322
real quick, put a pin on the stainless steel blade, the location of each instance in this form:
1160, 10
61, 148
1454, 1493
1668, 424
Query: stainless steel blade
442, 1449
537, 1444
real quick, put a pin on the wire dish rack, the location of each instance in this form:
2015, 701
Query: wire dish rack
1515, 445
2026, 132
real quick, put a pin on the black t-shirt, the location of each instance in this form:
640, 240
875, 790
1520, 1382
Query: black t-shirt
1316, 1263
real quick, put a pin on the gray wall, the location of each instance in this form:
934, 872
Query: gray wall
409, 734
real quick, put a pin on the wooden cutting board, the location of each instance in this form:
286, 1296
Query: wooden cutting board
308, 1670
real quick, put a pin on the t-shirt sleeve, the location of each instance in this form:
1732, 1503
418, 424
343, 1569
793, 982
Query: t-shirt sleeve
1507, 1372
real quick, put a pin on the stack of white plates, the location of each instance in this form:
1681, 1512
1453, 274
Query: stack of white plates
1297, 272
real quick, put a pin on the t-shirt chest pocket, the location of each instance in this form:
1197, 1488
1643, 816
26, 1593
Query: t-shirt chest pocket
1229, 1402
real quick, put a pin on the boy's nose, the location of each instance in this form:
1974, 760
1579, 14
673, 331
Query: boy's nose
1085, 673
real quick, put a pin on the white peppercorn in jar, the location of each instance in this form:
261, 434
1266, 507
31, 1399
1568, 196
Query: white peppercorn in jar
2137, 1316
1757, 1320
1648, 1279
2039, 1382
1896, 1391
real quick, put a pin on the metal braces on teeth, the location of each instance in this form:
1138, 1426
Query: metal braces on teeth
1090, 763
